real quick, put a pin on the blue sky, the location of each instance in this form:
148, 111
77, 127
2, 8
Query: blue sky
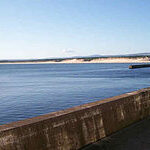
57, 28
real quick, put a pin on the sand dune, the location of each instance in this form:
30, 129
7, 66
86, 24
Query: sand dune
93, 60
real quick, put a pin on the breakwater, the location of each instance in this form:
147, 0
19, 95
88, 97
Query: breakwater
76, 127
139, 66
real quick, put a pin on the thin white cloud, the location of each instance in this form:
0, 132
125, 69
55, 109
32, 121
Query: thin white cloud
68, 51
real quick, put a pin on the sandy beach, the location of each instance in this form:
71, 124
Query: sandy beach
79, 60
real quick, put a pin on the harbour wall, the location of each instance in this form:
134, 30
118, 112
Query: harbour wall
76, 127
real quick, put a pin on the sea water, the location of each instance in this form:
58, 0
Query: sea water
29, 90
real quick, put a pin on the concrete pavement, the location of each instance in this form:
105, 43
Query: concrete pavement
134, 137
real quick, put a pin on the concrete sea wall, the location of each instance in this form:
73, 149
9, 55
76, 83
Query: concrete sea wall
76, 127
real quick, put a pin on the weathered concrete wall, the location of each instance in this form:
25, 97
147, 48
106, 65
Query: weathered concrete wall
75, 127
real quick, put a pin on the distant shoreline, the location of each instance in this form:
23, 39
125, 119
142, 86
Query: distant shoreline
82, 60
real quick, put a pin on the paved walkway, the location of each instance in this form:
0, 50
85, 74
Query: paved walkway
135, 137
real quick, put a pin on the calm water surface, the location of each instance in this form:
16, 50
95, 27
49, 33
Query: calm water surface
28, 90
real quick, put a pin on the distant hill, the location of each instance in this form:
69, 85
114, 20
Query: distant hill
125, 55
139, 54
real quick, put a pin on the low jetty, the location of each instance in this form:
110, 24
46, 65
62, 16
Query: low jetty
139, 66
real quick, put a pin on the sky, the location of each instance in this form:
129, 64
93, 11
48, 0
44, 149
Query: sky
64, 28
